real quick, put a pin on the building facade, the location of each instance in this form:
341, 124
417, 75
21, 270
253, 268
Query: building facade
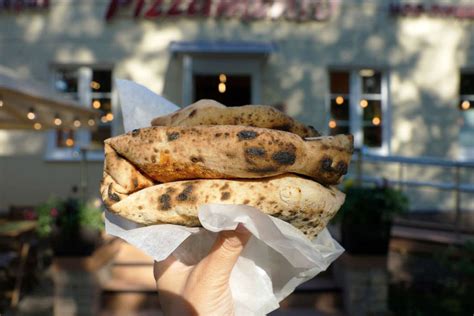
397, 75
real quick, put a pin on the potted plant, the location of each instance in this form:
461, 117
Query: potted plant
367, 215
73, 228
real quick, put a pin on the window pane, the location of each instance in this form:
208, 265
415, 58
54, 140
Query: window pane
371, 81
340, 108
339, 82
102, 133
230, 90
64, 138
66, 81
373, 136
467, 84
372, 109
339, 129
101, 81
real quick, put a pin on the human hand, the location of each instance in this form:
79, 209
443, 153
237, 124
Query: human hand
203, 288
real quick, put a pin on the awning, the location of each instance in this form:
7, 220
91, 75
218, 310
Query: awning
27, 104
223, 47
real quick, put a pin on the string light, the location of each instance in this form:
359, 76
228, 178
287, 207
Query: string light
339, 100
95, 85
69, 142
221, 87
91, 122
57, 120
109, 116
363, 103
222, 78
31, 114
103, 119
465, 105
376, 121
37, 126
96, 104
332, 124
77, 123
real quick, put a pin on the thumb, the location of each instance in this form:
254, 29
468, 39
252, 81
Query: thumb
226, 250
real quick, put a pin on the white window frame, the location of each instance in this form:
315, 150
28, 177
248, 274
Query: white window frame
356, 112
209, 65
82, 135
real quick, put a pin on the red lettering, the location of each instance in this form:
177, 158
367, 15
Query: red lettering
114, 6
175, 8
199, 7
138, 8
230, 8
155, 10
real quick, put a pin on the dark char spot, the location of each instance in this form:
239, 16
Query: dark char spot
225, 196
255, 151
246, 201
135, 132
183, 196
246, 135
172, 136
197, 159
165, 202
326, 163
135, 182
284, 157
217, 134
225, 186
193, 112
341, 167
284, 127
112, 196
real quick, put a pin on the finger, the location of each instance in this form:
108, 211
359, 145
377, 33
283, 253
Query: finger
226, 250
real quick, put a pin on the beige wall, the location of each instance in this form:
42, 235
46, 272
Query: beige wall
423, 56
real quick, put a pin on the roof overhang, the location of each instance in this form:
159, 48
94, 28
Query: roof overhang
223, 47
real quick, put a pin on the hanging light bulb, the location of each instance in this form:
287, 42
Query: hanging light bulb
69, 142
363, 103
91, 122
465, 105
109, 116
103, 119
221, 87
96, 104
332, 124
95, 85
77, 123
339, 100
222, 78
376, 121
57, 120
37, 126
31, 114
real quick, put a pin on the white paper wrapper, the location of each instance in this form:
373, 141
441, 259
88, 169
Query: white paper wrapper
275, 261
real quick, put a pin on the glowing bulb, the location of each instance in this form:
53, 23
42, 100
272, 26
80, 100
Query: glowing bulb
69, 142
376, 120
91, 122
363, 103
96, 104
31, 114
103, 119
221, 87
339, 100
332, 124
57, 120
465, 105
366, 72
222, 78
37, 126
77, 123
109, 116
95, 85
1, 103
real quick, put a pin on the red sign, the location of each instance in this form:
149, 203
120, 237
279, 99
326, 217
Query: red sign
302, 10
18, 5
435, 10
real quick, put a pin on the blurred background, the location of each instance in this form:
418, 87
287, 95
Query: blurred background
398, 75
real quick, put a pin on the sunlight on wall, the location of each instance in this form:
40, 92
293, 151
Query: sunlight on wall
21, 142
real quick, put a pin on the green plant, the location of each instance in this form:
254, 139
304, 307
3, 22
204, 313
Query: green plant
68, 215
367, 205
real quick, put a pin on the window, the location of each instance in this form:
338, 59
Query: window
92, 87
466, 105
358, 105
231, 90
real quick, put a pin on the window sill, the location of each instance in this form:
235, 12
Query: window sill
73, 155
